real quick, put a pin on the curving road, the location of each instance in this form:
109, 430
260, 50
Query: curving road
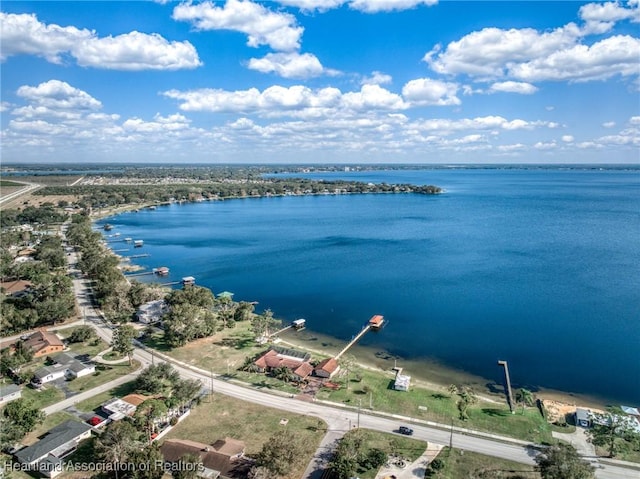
339, 420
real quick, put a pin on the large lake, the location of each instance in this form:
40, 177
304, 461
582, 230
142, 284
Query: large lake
539, 267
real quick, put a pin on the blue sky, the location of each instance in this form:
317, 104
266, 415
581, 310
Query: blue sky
349, 81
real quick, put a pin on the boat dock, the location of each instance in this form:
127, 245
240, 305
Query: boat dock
374, 323
355, 339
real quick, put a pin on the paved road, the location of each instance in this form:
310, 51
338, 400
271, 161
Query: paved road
28, 187
338, 420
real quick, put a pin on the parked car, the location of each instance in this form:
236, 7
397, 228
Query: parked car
407, 431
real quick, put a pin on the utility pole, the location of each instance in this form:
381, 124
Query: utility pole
359, 406
211, 377
507, 384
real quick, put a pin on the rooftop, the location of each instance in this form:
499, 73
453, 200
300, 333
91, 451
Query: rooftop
57, 437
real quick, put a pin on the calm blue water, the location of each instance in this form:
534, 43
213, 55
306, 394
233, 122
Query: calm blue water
538, 267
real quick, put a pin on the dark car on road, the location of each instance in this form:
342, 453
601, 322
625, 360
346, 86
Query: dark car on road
407, 431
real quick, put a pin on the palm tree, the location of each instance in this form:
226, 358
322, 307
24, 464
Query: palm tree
283, 373
467, 398
524, 397
453, 389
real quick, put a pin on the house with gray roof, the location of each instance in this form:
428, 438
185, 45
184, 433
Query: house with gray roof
9, 392
45, 456
65, 366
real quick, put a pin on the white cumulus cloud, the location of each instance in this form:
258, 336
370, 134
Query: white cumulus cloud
375, 6
513, 87
279, 30
289, 65
24, 34
377, 78
58, 94
601, 17
426, 91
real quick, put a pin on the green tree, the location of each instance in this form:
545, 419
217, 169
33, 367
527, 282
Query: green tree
283, 373
453, 389
467, 399
148, 413
151, 461
23, 415
157, 379
280, 452
610, 431
117, 443
262, 324
82, 334
347, 455
122, 341
524, 397
562, 461
244, 311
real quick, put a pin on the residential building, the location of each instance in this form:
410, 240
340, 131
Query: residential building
327, 368
152, 311
45, 456
9, 392
223, 459
402, 382
277, 357
65, 366
15, 288
43, 343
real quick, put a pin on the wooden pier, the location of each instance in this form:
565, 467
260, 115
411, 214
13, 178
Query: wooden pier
353, 341
144, 255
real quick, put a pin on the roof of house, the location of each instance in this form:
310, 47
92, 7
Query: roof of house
42, 339
135, 399
13, 287
117, 405
58, 436
7, 389
329, 365
376, 320
44, 371
174, 449
304, 370
229, 446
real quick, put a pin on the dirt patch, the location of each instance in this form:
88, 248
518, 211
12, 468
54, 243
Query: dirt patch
560, 411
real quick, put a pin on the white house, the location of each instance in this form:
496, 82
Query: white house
152, 311
9, 393
402, 382
66, 366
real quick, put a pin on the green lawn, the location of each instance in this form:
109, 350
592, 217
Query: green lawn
227, 350
375, 388
44, 397
92, 403
221, 416
459, 464
104, 373
400, 446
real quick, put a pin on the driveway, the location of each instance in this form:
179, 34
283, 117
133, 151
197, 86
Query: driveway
400, 469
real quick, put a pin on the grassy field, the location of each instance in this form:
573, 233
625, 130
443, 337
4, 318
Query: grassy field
7, 183
44, 397
227, 350
221, 416
470, 465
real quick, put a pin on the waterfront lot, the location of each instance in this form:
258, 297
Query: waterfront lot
225, 352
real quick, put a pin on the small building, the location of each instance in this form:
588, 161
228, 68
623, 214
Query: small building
45, 456
299, 324
583, 417
327, 368
161, 271
376, 321
138, 243
43, 343
118, 409
188, 281
9, 392
402, 382
152, 311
